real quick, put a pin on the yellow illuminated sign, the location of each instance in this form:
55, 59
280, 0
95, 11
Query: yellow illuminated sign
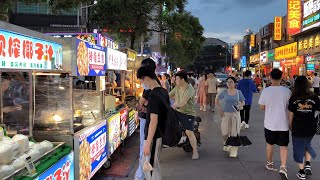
287, 51
277, 28
236, 51
252, 40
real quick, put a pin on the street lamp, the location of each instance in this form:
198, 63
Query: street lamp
80, 12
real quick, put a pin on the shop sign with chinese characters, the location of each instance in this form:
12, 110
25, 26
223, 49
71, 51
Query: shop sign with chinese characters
293, 61
254, 59
62, 170
236, 51
287, 51
252, 40
277, 28
311, 14
264, 57
116, 60
243, 61
114, 132
309, 44
124, 123
19, 51
93, 149
294, 17
91, 59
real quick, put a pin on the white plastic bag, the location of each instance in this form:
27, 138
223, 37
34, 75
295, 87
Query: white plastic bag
39, 148
6, 170
23, 141
6, 154
46, 145
19, 163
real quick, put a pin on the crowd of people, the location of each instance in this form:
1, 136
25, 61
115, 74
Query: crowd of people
286, 109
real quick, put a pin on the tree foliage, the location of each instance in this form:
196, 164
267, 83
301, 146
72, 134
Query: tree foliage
134, 18
184, 40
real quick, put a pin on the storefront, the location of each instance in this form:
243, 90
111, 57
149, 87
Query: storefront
30, 63
290, 63
309, 47
255, 64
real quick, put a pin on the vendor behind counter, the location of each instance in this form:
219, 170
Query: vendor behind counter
15, 96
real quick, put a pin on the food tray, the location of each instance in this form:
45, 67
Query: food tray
23, 170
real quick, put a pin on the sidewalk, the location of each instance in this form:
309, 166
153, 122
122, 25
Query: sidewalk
216, 165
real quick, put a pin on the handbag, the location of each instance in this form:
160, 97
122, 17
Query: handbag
238, 141
318, 124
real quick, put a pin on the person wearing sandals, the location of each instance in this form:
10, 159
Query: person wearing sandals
274, 101
303, 105
230, 124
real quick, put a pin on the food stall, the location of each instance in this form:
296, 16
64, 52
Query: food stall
25, 54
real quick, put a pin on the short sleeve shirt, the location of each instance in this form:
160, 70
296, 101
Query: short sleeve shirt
181, 94
229, 101
276, 100
212, 84
157, 98
304, 121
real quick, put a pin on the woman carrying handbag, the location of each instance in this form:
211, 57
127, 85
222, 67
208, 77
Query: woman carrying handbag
303, 105
233, 101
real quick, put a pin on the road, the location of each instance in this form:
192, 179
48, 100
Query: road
214, 164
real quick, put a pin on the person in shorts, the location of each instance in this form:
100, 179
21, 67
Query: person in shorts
274, 101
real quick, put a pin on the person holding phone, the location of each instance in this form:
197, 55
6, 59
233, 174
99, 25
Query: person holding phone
233, 101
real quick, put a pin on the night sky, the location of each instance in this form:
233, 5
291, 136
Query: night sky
228, 20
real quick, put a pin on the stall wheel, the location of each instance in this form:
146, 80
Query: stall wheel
187, 148
107, 164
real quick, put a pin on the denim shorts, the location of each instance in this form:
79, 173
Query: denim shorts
300, 145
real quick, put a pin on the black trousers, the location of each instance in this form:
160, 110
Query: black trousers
245, 114
316, 91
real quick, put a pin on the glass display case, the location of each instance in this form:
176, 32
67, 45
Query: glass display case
16, 106
52, 103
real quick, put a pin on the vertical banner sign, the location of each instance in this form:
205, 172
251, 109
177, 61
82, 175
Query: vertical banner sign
277, 28
236, 51
114, 132
294, 16
252, 40
244, 61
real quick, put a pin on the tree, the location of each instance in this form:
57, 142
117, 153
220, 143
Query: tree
56, 5
134, 18
184, 39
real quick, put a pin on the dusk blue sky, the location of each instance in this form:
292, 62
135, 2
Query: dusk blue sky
229, 19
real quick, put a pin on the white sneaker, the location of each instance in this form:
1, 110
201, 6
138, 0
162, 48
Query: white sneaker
201, 109
226, 149
247, 126
233, 154
242, 125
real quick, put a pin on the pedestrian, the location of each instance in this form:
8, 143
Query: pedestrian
257, 81
212, 85
183, 95
265, 81
232, 100
247, 87
316, 84
165, 82
274, 101
155, 122
142, 114
303, 105
191, 80
202, 93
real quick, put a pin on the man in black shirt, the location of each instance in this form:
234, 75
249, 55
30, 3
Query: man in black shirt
156, 118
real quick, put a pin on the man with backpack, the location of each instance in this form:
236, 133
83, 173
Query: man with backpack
156, 118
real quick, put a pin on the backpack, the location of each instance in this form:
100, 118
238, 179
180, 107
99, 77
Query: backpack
173, 128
